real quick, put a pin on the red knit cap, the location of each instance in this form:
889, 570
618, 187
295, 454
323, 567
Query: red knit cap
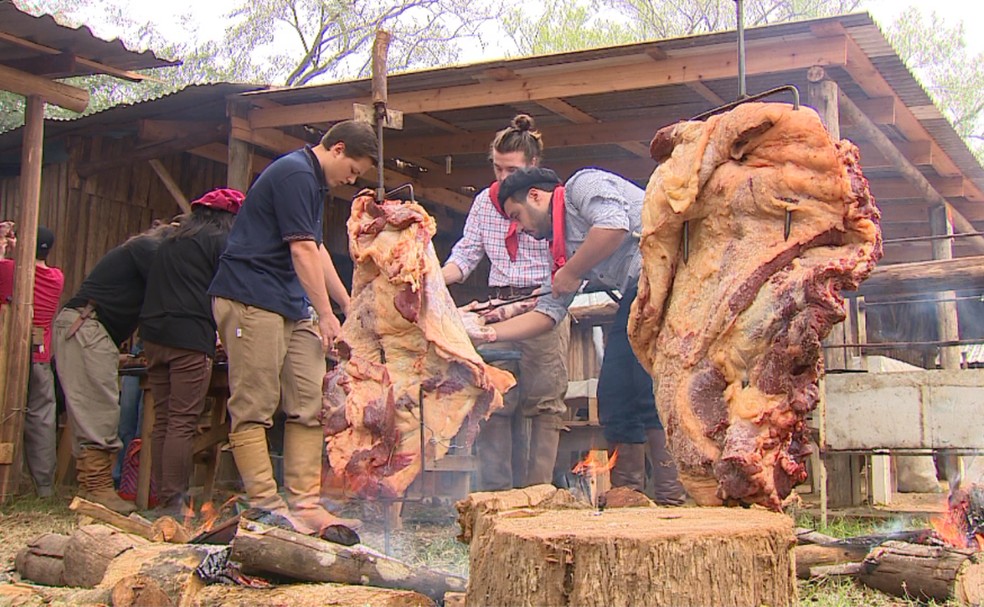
223, 199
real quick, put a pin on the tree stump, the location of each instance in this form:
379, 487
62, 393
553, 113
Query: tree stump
925, 572
308, 595
42, 561
89, 551
681, 557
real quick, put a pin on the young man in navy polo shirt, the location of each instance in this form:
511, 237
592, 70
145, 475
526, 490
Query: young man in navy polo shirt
274, 316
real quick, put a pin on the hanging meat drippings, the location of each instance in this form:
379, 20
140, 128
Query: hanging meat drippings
402, 340
732, 335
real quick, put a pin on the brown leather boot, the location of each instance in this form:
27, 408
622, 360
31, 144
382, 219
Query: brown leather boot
494, 444
249, 449
667, 489
544, 438
303, 451
95, 474
630, 466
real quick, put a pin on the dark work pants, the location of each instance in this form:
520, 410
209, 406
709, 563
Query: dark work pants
178, 381
626, 405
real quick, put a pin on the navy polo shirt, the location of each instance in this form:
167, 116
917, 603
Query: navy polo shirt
285, 204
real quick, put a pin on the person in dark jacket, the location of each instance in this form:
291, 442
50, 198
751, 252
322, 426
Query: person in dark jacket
178, 332
87, 335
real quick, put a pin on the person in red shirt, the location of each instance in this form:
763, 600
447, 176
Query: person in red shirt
39, 419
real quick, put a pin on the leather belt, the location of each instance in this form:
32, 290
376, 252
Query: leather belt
84, 314
510, 292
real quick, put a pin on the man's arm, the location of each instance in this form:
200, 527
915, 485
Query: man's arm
525, 326
452, 273
311, 274
599, 244
336, 288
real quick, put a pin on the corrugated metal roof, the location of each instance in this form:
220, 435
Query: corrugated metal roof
77, 41
197, 102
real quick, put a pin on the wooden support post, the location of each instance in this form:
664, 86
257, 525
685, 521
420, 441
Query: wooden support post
240, 155
822, 95
143, 472
18, 339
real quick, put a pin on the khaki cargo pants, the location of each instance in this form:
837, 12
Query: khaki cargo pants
272, 361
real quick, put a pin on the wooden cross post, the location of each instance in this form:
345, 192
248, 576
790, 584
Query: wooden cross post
378, 114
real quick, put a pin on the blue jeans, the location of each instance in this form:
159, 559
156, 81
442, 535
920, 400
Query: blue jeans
626, 405
131, 414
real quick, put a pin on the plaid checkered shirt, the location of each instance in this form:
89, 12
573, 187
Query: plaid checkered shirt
485, 235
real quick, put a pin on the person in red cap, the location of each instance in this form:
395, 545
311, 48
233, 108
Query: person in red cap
178, 332
87, 334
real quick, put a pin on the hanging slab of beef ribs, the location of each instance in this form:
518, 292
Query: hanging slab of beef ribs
402, 339
733, 335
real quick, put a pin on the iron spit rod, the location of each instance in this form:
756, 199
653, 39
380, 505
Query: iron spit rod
909, 344
869, 303
740, 15
929, 238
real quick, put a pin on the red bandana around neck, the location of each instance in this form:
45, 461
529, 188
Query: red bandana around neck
512, 234
558, 244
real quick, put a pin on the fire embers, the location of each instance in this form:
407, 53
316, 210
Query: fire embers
409, 378
733, 336
962, 526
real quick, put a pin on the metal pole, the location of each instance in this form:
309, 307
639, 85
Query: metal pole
740, 14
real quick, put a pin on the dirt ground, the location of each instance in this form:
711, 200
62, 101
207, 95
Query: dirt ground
428, 538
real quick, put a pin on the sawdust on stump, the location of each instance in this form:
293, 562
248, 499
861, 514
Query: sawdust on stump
678, 557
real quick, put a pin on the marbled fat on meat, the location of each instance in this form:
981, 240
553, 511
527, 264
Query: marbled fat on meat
402, 338
733, 337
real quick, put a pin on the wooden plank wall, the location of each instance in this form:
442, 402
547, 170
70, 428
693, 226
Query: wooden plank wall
91, 216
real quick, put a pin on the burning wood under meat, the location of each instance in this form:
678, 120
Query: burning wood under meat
733, 333
272, 550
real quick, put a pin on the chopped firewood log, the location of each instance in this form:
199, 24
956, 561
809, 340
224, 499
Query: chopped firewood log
308, 595
42, 560
90, 550
925, 572
476, 506
625, 497
156, 574
264, 549
685, 557
812, 556
454, 599
166, 529
130, 524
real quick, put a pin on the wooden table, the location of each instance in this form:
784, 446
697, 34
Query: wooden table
210, 441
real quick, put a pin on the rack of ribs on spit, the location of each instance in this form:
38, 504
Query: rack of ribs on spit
402, 339
732, 335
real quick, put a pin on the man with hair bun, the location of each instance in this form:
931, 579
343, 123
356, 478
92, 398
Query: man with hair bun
519, 265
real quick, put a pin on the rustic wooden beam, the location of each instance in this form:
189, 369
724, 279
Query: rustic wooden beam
926, 276
909, 173
637, 169
48, 66
900, 188
18, 342
57, 93
171, 185
89, 63
767, 56
219, 152
577, 116
947, 319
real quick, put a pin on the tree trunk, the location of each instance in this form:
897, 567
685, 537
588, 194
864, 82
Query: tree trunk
42, 561
808, 558
266, 549
478, 507
156, 575
925, 572
678, 557
308, 595
89, 551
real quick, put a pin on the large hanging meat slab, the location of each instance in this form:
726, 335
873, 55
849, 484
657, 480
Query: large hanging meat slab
732, 335
402, 340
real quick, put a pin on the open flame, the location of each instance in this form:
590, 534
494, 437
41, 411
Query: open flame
594, 464
962, 525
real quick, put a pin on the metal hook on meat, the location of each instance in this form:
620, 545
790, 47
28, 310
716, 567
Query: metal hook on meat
686, 241
787, 225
